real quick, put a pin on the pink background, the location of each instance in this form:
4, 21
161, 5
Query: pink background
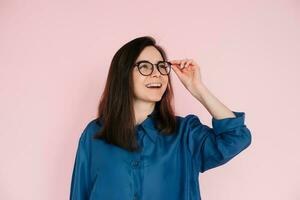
54, 59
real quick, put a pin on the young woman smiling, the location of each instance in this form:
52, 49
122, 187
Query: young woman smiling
137, 148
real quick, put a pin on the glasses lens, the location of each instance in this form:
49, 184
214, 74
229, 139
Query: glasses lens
164, 67
145, 68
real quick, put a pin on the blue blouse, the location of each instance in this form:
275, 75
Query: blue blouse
167, 167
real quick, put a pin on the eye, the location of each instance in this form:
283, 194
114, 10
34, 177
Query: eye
145, 66
162, 65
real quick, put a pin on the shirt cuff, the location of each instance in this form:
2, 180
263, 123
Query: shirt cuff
229, 123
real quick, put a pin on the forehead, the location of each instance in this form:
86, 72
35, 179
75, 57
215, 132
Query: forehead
150, 53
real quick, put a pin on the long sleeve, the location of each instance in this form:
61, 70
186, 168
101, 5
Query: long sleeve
212, 147
80, 182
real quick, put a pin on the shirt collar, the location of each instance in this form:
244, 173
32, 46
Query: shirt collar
149, 126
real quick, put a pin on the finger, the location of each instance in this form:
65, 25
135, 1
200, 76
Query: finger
176, 70
194, 62
176, 63
173, 61
175, 66
182, 63
187, 63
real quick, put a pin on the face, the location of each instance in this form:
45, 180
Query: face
141, 92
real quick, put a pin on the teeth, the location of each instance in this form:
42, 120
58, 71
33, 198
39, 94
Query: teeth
153, 85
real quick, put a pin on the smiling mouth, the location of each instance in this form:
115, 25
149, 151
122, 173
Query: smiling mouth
153, 85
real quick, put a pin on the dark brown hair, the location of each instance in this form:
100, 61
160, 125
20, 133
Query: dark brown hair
116, 111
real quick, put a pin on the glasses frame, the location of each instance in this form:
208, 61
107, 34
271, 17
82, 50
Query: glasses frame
143, 61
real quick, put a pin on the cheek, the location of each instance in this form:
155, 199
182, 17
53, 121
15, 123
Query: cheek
138, 81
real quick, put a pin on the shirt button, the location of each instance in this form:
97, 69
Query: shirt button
135, 163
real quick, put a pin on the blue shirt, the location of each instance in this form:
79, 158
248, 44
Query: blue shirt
167, 167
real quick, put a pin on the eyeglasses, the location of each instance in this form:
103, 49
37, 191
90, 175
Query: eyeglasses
146, 68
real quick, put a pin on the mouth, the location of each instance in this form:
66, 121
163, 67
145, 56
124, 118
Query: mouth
154, 85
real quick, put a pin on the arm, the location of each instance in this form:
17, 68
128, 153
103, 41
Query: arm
188, 71
212, 147
80, 182
216, 108
228, 137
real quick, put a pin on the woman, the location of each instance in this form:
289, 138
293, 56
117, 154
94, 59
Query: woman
137, 148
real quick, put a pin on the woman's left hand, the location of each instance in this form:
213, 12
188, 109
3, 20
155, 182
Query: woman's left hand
188, 71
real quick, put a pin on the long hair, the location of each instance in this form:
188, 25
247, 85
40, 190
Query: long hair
116, 111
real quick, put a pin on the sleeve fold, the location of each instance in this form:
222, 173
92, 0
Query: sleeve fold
212, 147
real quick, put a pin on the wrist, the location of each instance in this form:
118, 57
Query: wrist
199, 91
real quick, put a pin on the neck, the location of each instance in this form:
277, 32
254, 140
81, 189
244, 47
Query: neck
142, 109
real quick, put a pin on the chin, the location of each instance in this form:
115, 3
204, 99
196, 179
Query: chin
154, 99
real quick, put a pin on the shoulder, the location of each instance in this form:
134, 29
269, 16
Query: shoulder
90, 129
187, 123
189, 119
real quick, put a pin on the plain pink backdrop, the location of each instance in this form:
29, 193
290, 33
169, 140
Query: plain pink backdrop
54, 59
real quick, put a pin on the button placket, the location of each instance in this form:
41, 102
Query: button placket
135, 197
135, 164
